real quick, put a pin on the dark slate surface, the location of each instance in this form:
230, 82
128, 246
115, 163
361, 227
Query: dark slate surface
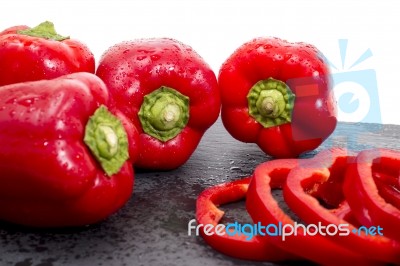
152, 228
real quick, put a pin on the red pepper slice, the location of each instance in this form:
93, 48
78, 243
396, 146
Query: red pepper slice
343, 211
168, 92
263, 208
388, 188
65, 154
236, 246
319, 180
362, 193
29, 54
278, 95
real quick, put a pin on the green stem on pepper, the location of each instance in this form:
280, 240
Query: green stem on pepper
44, 30
164, 113
271, 102
107, 140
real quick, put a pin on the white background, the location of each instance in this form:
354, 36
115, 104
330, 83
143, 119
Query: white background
215, 28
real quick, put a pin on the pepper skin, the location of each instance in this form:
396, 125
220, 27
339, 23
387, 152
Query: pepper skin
169, 93
278, 95
66, 154
207, 212
263, 208
369, 206
29, 54
322, 181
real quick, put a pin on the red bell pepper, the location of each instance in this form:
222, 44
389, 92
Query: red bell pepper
239, 246
263, 208
167, 90
322, 181
66, 153
29, 54
278, 95
369, 207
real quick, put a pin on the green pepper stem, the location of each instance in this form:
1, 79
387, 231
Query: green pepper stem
107, 140
267, 106
171, 115
271, 102
164, 113
44, 30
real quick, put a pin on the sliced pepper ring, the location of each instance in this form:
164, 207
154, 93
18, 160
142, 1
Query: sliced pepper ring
343, 211
263, 208
389, 193
362, 193
322, 179
207, 213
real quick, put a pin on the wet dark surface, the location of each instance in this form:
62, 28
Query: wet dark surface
152, 228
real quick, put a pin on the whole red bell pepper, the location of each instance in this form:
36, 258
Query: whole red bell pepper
322, 181
279, 95
29, 54
369, 206
238, 245
65, 152
169, 93
263, 208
